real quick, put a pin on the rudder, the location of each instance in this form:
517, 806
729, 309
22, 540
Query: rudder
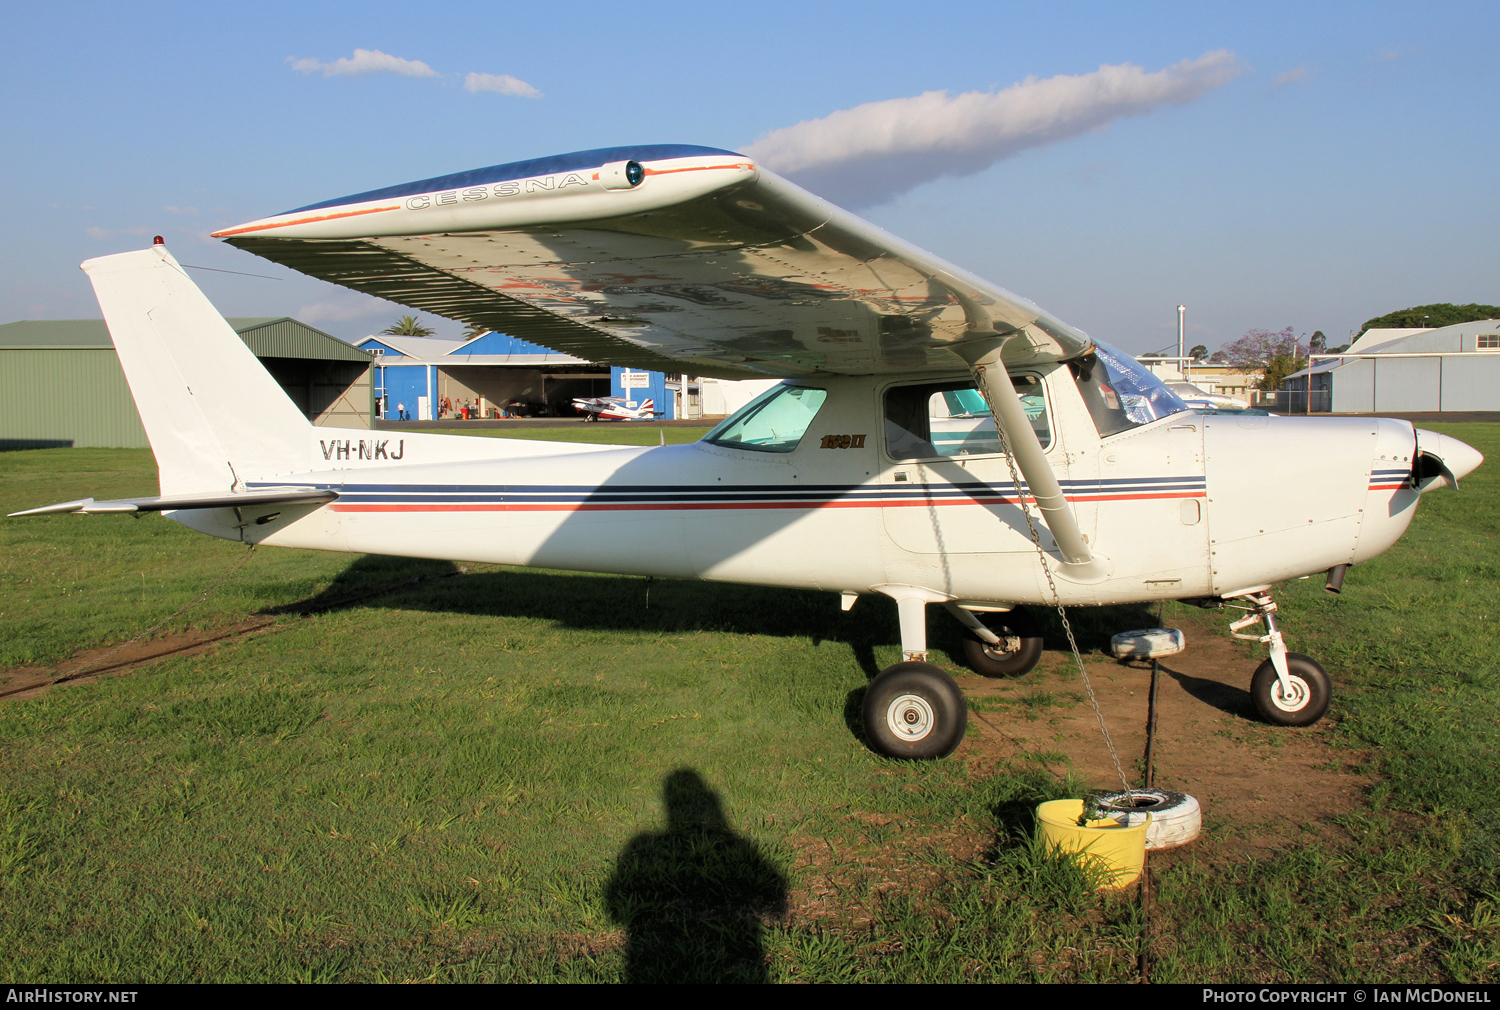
213, 414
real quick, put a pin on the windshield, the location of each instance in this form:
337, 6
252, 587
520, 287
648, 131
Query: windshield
1119, 392
775, 421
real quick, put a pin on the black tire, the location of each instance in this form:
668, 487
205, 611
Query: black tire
1313, 692
914, 710
1012, 660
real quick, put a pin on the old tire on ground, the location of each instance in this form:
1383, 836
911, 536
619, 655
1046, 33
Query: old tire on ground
1019, 651
914, 710
1311, 692
1176, 818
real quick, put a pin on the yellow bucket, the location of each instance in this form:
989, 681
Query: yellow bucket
1119, 850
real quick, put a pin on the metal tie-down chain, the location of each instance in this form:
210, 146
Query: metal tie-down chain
1036, 540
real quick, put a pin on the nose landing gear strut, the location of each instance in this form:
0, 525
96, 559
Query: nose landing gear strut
1289, 689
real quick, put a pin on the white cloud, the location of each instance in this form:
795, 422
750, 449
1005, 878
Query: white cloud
365, 61
503, 83
1387, 55
870, 153
180, 210
1298, 76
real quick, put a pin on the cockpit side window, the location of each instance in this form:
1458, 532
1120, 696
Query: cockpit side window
775, 421
1119, 392
947, 419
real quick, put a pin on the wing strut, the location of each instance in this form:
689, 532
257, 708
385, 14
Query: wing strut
1079, 563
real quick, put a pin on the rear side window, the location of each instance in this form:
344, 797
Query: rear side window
947, 419
775, 421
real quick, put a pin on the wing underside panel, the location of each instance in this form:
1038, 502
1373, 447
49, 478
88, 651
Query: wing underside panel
753, 279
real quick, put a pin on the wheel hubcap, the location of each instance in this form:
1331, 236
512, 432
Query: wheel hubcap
910, 717
1005, 648
1294, 702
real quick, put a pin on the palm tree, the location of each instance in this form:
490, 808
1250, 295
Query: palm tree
407, 326
475, 330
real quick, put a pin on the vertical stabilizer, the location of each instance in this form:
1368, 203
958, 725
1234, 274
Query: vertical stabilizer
212, 412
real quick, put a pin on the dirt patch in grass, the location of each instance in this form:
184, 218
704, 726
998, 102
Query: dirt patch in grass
20, 682
1262, 788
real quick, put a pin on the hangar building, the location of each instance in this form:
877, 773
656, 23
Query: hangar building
61, 383
496, 372
1449, 368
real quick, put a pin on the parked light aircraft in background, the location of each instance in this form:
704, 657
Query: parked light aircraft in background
615, 408
923, 409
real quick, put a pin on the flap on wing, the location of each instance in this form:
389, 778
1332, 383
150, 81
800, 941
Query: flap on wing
166, 503
675, 259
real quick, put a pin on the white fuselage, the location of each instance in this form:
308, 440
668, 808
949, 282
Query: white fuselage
1191, 505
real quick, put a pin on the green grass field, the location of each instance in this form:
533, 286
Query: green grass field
509, 775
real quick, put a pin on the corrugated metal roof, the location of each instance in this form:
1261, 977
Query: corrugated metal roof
448, 353
266, 336
1371, 339
285, 337
417, 348
501, 343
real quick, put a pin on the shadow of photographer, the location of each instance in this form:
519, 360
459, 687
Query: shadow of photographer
693, 898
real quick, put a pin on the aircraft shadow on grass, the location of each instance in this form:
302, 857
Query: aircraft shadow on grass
693, 898
631, 603
1224, 697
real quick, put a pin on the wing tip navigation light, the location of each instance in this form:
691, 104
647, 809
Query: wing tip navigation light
622, 174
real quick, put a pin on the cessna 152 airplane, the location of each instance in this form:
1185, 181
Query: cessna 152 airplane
924, 414
614, 408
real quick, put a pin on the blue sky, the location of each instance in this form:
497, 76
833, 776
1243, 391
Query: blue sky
1344, 166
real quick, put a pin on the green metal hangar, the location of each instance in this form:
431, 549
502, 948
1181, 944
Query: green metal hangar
61, 382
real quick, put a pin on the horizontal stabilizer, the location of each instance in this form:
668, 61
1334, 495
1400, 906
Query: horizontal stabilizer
166, 503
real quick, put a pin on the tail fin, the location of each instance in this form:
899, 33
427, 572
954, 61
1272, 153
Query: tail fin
212, 412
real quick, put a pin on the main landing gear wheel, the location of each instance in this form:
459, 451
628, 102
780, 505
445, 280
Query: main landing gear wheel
914, 710
1019, 649
1309, 697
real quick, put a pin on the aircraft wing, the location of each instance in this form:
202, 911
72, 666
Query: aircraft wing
674, 258
207, 500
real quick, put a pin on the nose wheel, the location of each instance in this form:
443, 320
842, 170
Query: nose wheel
1289, 689
1302, 702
